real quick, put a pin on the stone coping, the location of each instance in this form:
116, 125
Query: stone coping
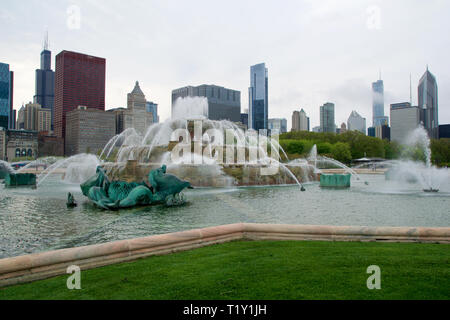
43, 265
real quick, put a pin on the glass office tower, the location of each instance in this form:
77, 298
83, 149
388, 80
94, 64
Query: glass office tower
258, 110
153, 108
327, 123
428, 103
6, 104
378, 117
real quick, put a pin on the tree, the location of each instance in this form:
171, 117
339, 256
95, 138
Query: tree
324, 148
440, 151
341, 152
392, 149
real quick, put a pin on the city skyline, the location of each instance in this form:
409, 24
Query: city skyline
304, 78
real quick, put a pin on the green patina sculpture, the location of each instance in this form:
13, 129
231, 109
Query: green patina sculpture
112, 195
70, 201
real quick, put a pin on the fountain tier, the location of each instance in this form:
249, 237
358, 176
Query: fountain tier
212, 175
199, 155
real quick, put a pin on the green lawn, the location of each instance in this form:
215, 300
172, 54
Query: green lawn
263, 270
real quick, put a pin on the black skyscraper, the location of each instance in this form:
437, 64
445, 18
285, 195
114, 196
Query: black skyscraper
45, 82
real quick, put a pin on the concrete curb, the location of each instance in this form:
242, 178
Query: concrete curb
43, 265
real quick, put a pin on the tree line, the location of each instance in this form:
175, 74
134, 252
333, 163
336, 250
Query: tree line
351, 145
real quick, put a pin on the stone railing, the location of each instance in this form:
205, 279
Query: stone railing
43, 265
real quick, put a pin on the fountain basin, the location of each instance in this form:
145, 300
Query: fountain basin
335, 180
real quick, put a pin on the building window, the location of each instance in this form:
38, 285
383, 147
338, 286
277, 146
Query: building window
17, 152
30, 152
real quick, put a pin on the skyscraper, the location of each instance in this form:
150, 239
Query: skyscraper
79, 81
327, 123
356, 122
153, 108
244, 119
36, 118
45, 82
258, 103
88, 130
6, 97
428, 103
404, 119
304, 121
300, 122
295, 121
378, 117
12, 112
138, 116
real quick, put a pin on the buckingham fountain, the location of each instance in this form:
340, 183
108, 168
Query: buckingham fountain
204, 152
236, 177
191, 148
210, 153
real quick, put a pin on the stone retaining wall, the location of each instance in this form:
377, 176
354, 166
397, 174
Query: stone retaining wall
43, 265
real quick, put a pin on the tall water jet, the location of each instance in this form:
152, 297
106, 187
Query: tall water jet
190, 108
430, 178
419, 139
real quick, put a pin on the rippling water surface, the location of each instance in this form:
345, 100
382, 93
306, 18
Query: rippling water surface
38, 220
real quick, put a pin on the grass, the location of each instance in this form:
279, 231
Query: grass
263, 270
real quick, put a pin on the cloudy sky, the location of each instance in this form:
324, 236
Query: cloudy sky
316, 51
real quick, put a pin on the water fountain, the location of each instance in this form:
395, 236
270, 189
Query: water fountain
204, 155
428, 177
13, 178
75, 169
334, 179
48, 218
130, 156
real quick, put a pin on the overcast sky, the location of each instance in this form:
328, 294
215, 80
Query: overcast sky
315, 51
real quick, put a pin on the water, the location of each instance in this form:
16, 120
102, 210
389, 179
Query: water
419, 138
5, 167
190, 107
317, 161
38, 220
77, 168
